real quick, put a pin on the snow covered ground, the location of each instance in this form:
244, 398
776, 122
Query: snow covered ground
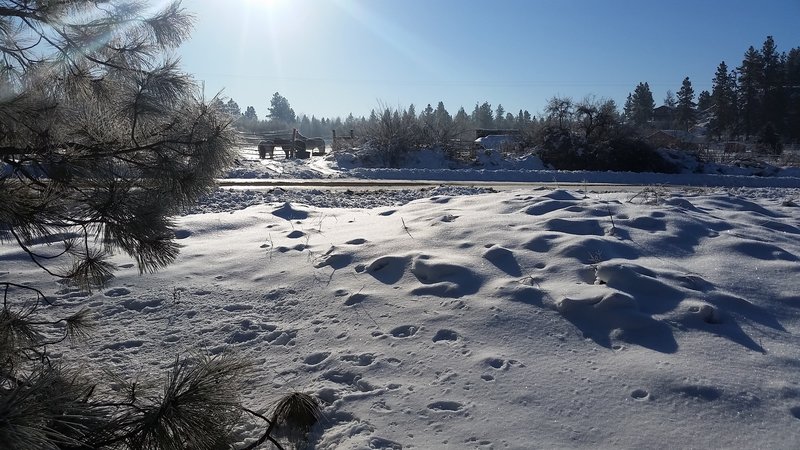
457, 318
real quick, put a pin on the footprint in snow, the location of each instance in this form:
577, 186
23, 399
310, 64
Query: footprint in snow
445, 335
117, 292
640, 395
404, 331
384, 444
355, 299
296, 234
362, 360
316, 358
447, 406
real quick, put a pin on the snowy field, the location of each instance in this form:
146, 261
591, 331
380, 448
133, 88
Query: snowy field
456, 318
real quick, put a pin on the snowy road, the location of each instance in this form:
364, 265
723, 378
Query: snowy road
361, 184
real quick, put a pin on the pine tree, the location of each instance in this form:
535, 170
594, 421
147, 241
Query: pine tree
642, 104
250, 114
751, 91
723, 99
102, 141
774, 101
704, 102
232, 108
499, 116
685, 107
627, 109
669, 100
280, 110
482, 116
792, 70
441, 117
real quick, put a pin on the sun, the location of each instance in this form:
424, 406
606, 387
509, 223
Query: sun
266, 3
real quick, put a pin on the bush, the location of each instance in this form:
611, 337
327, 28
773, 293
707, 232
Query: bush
564, 150
388, 140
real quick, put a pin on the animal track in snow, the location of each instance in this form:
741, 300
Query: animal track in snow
355, 299
242, 336
444, 279
384, 444
445, 335
235, 307
357, 241
495, 363
124, 345
141, 305
117, 292
640, 394
335, 261
795, 412
279, 337
363, 359
316, 358
296, 234
404, 331
504, 260
387, 269
445, 406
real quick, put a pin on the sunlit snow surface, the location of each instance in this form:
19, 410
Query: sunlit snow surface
531, 318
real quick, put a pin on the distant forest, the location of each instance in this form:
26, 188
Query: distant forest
757, 100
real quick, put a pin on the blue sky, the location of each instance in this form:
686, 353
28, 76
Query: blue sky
333, 57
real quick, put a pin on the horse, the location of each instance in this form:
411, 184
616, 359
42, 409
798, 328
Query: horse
311, 143
288, 146
265, 147
316, 143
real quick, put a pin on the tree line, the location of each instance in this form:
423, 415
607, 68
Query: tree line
281, 116
758, 99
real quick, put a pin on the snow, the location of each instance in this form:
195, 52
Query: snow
459, 318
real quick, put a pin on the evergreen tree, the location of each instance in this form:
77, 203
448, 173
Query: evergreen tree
499, 116
642, 104
482, 116
103, 140
462, 119
280, 110
410, 113
792, 70
669, 100
685, 107
232, 108
427, 114
441, 116
627, 109
316, 127
723, 99
751, 91
774, 102
250, 114
704, 102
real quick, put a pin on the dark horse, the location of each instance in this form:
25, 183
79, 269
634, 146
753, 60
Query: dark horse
267, 146
296, 146
317, 144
